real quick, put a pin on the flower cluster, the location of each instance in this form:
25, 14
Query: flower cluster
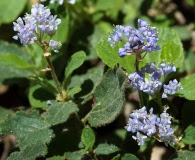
33, 27
61, 1
139, 81
136, 40
148, 124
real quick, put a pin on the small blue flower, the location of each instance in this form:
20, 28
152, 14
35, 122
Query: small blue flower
148, 124
33, 27
142, 39
171, 88
156, 76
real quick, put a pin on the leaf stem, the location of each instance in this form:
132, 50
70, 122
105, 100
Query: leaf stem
53, 74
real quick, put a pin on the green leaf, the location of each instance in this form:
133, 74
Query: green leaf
190, 2
56, 158
38, 96
172, 53
171, 49
75, 62
109, 4
189, 136
129, 157
31, 132
44, 83
31, 152
88, 82
116, 157
72, 91
110, 57
188, 87
105, 149
9, 8
15, 62
183, 32
59, 112
183, 155
109, 97
77, 155
88, 137
11, 72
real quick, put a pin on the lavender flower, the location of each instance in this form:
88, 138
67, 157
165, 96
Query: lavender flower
171, 88
33, 27
148, 124
61, 1
155, 76
137, 40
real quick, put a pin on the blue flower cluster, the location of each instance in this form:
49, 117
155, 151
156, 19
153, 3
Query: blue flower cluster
139, 81
148, 124
61, 1
136, 40
33, 27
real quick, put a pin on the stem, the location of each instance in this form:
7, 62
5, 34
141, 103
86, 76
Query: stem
84, 120
160, 104
141, 101
53, 74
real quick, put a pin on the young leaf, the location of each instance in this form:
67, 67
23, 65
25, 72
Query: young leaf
110, 57
171, 49
75, 62
59, 112
71, 92
117, 157
189, 137
109, 97
105, 149
88, 138
129, 157
188, 87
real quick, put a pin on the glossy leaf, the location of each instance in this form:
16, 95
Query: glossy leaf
88, 137
75, 62
171, 49
189, 136
105, 149
129, 156
74, 155
188, 87
110, 57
